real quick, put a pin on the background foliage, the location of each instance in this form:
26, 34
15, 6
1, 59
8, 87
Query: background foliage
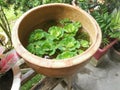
24, 5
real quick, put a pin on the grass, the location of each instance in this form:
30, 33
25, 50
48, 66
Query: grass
31, 83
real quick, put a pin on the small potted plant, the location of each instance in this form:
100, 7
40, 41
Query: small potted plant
109, 23
8, 57
110, 26
44, 17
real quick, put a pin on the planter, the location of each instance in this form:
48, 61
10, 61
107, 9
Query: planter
36, 18
114, 53
11, 79
98, 57
100, 52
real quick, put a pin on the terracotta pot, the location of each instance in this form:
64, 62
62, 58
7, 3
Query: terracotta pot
35, 18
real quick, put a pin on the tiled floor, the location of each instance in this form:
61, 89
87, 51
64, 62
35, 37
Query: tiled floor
104, 77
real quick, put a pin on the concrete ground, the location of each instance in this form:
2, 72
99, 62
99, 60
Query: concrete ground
104, 77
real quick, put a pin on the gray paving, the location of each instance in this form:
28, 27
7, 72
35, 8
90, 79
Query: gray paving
104, 77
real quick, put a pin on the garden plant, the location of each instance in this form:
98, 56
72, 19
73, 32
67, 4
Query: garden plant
8, 57
63, 41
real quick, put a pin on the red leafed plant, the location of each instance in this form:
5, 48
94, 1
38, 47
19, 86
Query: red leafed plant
7, 60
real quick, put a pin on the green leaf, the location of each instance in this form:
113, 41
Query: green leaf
50, 37
48, 47
41, 48
80, 51
65, 21
66, 54
57, 32
35, 48
72, 27
37, 35
77, 24
84, 43
68, 43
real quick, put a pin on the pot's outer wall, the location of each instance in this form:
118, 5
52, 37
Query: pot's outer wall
34, 18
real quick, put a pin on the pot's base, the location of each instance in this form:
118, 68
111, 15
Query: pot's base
6, 81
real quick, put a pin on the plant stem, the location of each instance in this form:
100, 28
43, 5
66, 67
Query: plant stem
5, 26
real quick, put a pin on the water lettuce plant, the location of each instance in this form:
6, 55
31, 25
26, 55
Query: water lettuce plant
60, 41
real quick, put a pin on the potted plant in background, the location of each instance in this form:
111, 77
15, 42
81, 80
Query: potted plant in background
8, 57
110, 26
114, 52
103, 12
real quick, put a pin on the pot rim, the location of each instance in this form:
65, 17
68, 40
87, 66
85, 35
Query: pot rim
48, 63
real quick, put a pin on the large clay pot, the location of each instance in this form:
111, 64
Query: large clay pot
35, 18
